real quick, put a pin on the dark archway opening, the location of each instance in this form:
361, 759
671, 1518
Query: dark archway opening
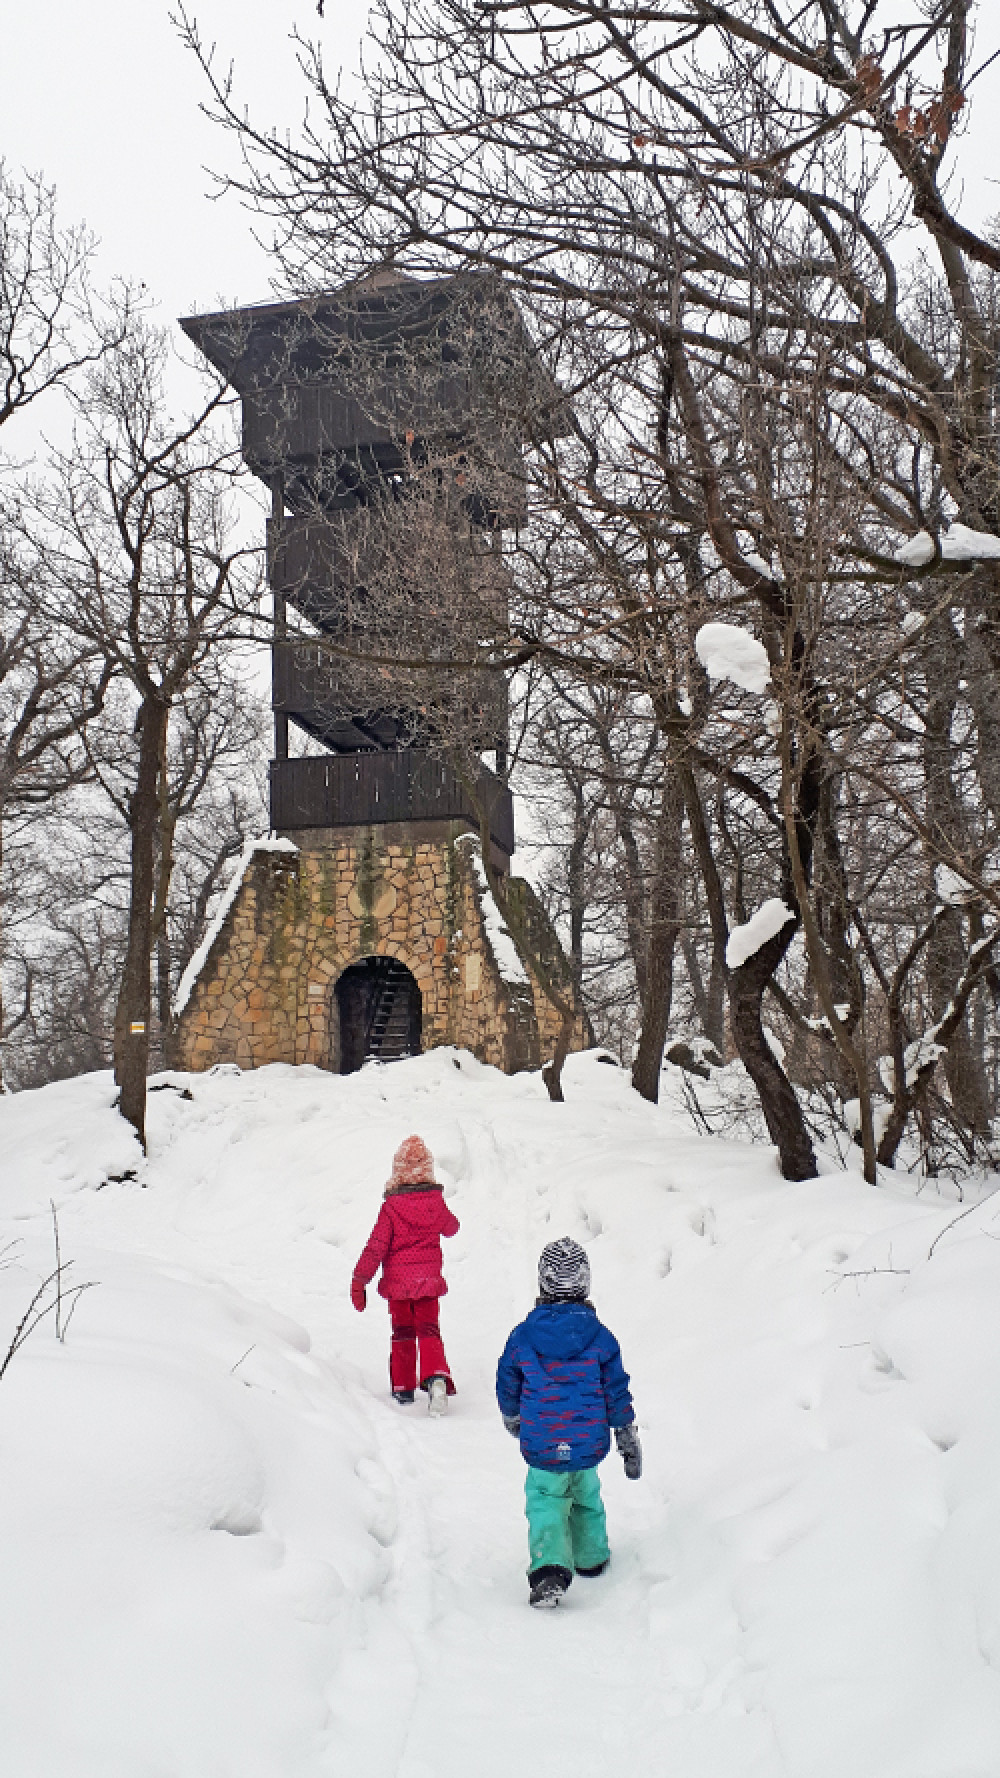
379, 1008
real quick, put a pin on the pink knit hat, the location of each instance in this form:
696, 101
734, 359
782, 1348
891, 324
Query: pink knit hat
412, 1164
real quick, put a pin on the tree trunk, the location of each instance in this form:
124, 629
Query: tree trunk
576, 886
946, 820
552, 1072
710, 1001
962, 1066
562, 999
163, 997
132, 1012
664, 926
782, 1111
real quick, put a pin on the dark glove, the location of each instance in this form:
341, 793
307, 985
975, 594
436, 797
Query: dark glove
627, 1440
358, 1297
512, 1424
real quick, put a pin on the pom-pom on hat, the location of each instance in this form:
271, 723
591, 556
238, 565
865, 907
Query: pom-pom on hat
412, 1164
563, 1271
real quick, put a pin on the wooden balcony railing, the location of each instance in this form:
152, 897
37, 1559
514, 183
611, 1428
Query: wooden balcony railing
362, 789
311, 685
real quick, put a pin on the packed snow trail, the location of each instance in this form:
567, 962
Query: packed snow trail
225, 1553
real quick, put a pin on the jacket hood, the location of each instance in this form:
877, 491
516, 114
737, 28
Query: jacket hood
562, 1330
416, 1210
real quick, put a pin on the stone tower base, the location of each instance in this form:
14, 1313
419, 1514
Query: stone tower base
262, 987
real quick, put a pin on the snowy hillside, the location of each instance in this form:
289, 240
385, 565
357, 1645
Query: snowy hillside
225, 1553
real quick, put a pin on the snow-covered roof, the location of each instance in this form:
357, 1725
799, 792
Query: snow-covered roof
185, 987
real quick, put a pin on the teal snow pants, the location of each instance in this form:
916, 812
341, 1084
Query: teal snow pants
566, 1524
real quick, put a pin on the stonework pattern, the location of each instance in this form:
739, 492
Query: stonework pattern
266, 990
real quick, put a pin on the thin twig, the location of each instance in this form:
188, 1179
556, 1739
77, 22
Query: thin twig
950, 1225
55, 1234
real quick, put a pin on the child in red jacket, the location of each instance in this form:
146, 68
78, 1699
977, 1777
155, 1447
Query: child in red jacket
406, 1243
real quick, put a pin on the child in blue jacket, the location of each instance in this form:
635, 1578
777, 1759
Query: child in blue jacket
562, 1390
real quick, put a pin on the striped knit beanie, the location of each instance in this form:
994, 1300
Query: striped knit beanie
564, 1271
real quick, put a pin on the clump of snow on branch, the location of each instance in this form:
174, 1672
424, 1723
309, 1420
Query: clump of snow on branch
919, 1058
727, 652
185, 987
745, 941
753, 560
881, 1112
959, 544
501, 944
950, 887
913, 622
922, 1055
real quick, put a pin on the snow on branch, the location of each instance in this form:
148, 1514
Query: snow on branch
727, 652
952, 888
959, 544
745, 941
923, 1055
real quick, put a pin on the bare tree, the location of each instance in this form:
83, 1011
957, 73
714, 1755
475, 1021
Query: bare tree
68, 879
134, 541
53, 324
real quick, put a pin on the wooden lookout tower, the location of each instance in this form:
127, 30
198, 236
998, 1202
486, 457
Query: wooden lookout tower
388, 421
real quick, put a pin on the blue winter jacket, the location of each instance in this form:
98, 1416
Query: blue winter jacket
561, 1370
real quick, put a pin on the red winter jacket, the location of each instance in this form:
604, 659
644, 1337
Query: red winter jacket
406, 1243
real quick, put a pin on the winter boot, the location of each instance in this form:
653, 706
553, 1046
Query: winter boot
437, 1396
547, 1586
592, 1573
403, 1396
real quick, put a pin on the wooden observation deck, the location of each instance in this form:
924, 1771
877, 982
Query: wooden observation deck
389, 420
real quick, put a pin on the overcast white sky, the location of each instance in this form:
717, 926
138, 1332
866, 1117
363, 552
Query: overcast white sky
100, 96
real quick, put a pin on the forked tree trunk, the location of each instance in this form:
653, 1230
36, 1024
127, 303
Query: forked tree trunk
745, 986
132, 1012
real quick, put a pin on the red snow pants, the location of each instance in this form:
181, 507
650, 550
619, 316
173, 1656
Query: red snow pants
415, 1323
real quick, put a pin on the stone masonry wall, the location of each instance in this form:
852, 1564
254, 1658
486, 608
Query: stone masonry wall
266, 990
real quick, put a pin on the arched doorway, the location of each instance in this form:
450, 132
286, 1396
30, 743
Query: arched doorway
379, 1009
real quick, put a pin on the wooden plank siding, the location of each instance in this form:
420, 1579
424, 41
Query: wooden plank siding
363, 789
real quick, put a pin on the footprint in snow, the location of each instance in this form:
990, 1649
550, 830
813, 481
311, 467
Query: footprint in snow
884, 1366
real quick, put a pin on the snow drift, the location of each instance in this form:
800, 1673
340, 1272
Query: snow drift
224, 1550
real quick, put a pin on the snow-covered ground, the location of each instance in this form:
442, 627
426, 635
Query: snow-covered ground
225, 1553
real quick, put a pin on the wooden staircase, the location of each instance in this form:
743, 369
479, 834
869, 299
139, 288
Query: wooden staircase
389, 1036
